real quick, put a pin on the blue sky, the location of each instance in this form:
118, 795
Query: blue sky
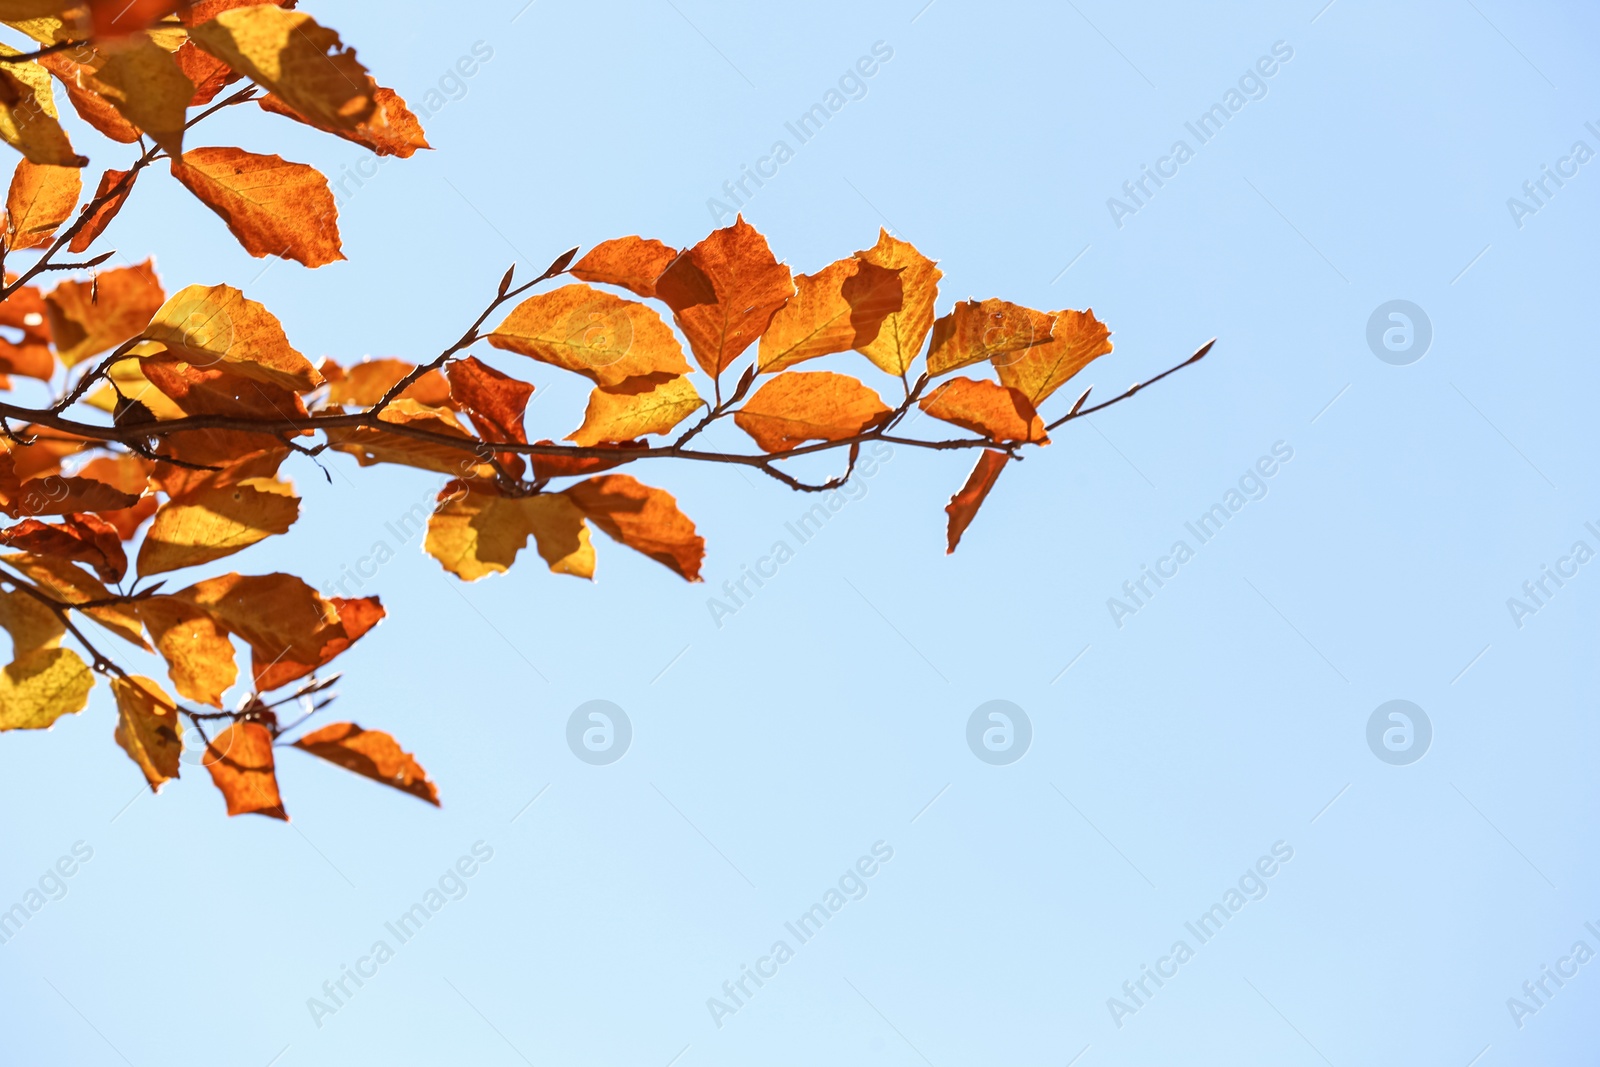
1224, 719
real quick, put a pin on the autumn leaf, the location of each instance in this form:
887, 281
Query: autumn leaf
212, 523
645, 519
138, 78
273, 207
291, 628
495, 402
477, 532
288, 53
200, 659
148, 729
88, 318
979, 329
240, 762
40, 199
842, 306
217, 324
723, 292
370, 445
371, 754
29, 355
28, 119
985, 408
963, 507
31, 624
85, 538
364, 384
603, 337
801, 406
633, 263
391, 130
1076, 340
651, 404
131, 474
899, 341
38, 687
117, 180
67, 583
547, 467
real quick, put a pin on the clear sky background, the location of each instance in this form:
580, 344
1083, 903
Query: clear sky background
1168, 754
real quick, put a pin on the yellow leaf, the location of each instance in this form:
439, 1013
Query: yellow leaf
28, 120
142, 81
651, 404
477, 533
273, 207
978, 329
199, 656
899, 341
1076, 340
842, 306
148, 729
66, 582
207, 324
31, 624
303, 63
211, 523
39, 200
603, 337
800, 406
39, 687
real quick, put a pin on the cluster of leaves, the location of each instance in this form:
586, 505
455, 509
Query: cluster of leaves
174, 414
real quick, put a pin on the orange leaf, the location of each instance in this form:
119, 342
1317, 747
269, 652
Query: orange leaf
976, 330
273, 207
723, 292
107, 211
29, 355
372, 754
600, 336
495, 402
1076, 340
392, 130
40, 199
801, 406
645, 519
85, 538
963, 507
899, 341
996, 412
88, 318
240, 762
364, 384
840, 307
291, 628
634, 263
209, 74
